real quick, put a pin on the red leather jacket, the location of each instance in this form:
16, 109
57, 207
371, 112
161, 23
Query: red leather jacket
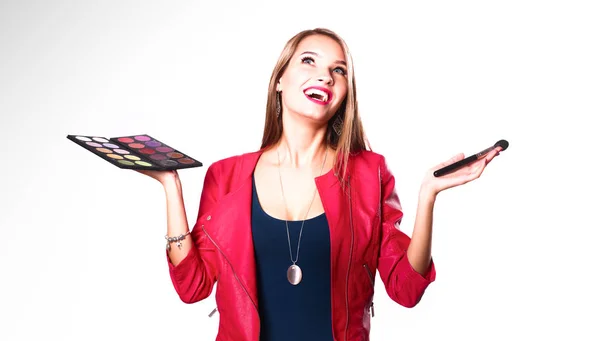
364, 239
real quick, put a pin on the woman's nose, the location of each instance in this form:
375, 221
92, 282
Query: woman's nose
325, 79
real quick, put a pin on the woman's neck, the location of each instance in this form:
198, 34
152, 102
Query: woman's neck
302, 146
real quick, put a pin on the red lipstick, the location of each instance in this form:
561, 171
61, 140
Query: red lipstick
318, 94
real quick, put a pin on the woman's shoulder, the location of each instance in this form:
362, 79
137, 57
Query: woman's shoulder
236, 163
368, 162
367, 158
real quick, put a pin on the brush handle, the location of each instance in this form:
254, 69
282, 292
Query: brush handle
452, 167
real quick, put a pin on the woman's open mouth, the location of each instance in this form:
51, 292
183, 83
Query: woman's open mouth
318, 95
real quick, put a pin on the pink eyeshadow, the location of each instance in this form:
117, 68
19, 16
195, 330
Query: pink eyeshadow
164, 149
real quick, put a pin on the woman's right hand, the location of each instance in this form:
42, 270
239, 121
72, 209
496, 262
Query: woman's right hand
163, 177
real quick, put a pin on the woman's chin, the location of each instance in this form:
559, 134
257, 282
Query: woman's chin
315, 115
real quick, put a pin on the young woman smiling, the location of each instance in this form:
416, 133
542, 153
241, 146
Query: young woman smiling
290, 235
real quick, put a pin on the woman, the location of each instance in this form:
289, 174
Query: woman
294, 233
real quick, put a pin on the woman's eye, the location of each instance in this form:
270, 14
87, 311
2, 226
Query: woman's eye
308, 60
340, 70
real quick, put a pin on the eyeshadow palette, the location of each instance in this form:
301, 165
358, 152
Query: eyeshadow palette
136, 152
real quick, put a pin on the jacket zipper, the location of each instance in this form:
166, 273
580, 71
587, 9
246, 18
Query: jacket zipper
216, 308
370, 274
234, 274
379, 211
350, 260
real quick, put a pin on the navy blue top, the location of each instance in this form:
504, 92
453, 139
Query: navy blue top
292, 312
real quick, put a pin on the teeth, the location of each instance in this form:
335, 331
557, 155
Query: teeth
322, 94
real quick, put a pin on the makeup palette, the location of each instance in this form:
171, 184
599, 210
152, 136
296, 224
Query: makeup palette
136, 152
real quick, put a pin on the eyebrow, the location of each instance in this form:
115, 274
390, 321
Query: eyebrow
316, 54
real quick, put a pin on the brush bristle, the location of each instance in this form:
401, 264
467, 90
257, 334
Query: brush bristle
502, 143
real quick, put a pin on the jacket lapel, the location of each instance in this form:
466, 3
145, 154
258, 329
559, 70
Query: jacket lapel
231, 225
337, 204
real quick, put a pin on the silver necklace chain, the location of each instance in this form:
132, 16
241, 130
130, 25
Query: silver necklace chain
305, 216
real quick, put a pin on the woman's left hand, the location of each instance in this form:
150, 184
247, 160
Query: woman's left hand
434, 185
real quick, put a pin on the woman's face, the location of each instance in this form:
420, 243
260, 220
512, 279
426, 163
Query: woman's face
315, 82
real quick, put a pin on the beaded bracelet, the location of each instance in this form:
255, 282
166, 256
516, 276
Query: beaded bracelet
177, 240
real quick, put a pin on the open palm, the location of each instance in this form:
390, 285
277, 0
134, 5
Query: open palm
460, 176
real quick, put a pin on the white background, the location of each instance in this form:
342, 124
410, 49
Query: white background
82, 255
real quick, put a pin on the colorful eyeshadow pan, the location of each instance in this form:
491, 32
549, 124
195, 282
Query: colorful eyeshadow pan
168, 163
136, 152
152, 144
164, 149
186, 161
175, 155
158, 157
147, 151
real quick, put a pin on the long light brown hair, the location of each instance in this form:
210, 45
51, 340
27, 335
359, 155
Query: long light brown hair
352, 139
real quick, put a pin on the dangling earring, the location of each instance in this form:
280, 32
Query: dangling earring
338, 124
278, 104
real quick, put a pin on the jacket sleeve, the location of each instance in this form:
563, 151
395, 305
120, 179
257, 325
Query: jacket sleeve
403, 284
194, 277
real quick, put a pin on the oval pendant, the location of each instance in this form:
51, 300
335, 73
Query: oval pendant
294, 274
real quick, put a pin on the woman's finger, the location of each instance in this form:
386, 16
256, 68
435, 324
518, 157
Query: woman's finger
467, 174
